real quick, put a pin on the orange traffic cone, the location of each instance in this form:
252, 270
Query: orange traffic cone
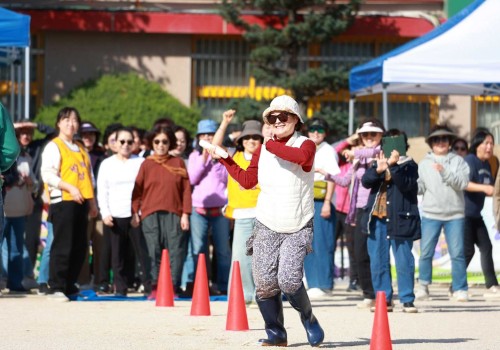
381, 335
236, 311
165, 291
200, 305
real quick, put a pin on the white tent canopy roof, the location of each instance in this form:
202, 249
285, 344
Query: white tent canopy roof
461, 57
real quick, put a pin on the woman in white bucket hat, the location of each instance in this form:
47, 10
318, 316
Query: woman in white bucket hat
283, 230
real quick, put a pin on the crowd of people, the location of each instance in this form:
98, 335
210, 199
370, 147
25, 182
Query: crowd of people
278, 204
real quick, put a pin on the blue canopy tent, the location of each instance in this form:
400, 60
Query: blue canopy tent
460, 57
15, 36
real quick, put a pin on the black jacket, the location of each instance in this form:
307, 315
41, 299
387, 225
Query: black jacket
403, 219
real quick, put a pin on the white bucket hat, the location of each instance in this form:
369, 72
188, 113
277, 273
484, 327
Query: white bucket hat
283, 103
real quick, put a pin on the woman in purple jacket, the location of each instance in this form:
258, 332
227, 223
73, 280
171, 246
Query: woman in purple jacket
209, 180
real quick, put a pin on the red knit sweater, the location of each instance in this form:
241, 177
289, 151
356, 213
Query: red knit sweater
157, 189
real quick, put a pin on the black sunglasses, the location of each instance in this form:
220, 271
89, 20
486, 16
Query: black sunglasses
318, 129
459, 148
252, 137
283, 117
371, 134
128, 142
157, 142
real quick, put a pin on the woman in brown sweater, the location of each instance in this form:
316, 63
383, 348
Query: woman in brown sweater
161, 203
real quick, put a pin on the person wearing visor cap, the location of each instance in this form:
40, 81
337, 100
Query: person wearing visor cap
442, 178
26, 130
241, 206
370, 132
283, 229
319, 265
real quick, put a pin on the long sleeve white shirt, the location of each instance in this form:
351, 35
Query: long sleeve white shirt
115, 184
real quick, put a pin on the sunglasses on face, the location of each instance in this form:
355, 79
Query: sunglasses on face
459, 148
157, 142
128, 142
439, 139
283, 117
319, 130
369, 134
252, 137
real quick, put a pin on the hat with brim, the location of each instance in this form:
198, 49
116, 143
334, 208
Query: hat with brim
250, 127
283, 103
88, 127
440, 132
370, 127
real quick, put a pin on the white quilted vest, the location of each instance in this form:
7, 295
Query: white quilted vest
286, 200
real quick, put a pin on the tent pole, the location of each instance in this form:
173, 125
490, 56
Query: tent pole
26, 83
12, 85
19, 97
385, 107
350, 129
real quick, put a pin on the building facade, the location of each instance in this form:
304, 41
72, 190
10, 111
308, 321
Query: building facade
200, 59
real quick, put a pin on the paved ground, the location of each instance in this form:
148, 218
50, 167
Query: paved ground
32, 321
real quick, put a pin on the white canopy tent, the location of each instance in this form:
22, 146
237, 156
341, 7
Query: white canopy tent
460, 57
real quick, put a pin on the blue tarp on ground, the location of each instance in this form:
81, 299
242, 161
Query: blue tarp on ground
14, 29
90, 295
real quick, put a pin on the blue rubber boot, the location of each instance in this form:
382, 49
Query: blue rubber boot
272, 312
300, 302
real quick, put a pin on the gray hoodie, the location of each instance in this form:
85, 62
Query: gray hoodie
443, 195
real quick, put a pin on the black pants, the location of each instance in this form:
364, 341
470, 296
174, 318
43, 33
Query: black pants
476, 233
346, 230
32, 235
67, 254
362, 258
123, 237
105, 257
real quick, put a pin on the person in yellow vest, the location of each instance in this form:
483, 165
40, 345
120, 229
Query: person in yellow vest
67, 171
242, 203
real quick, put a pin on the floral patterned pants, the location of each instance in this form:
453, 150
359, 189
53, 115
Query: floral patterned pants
278, 259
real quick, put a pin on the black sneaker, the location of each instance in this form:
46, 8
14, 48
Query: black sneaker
43, 289
103, 289
353, 286
409, 308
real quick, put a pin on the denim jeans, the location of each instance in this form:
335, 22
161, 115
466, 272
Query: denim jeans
188, 267
220, 237
243, 229
12, 251
43, 274
454, 235
27, 265
319, 264
380, 265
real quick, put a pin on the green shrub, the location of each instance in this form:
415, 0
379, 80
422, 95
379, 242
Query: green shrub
123, 98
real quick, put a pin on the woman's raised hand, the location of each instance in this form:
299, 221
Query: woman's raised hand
228, 116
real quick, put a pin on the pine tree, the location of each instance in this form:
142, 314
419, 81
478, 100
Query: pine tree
290, 27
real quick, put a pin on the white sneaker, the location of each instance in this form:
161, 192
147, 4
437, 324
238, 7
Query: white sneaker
422, 292
316, 293
461, 295
366, 304
58, 296
492, 293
